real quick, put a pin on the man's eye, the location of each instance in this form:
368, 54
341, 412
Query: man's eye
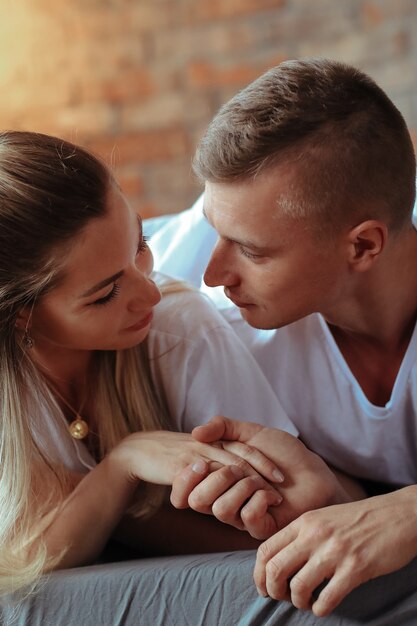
109, 297
248, 254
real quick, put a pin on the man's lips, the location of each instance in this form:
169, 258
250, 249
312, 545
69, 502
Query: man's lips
142, 323
239, 303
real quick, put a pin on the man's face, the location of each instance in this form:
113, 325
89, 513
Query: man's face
273, 267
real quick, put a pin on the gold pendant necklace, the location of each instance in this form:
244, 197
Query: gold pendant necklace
78, 428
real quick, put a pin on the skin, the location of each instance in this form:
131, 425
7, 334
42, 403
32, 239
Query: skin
363, 280
308, 482
104, 302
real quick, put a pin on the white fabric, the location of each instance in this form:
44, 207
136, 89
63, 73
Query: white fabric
309, 374
199, 365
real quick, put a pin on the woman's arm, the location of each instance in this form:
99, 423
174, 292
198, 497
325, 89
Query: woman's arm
77, 531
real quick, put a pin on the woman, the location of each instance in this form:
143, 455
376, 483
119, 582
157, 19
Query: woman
89, 370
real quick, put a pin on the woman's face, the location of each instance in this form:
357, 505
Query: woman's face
106, 297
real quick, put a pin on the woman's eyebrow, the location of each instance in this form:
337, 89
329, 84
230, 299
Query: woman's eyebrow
103, 283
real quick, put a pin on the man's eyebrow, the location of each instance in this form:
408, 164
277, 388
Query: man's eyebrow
102, 284
111, 279
245, 243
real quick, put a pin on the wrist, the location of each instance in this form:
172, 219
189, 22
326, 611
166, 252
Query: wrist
120, 466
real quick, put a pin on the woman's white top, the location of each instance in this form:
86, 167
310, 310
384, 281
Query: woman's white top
202, 368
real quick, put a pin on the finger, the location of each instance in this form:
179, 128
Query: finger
280, 568
220, 427
307, 579
335, 591
185, 482
224, 456
257, 521
267, 550
261, 463
227, 508
212, 431
204, 495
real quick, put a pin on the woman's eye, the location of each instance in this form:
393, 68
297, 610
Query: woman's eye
143, 244
109, 297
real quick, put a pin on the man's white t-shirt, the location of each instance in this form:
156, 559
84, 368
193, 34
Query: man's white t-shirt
308, 373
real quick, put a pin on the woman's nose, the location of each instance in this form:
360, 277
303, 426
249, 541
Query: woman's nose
145, 294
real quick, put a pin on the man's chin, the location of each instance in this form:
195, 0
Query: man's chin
254, 318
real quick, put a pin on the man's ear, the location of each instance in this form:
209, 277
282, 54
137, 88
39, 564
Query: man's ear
366, 242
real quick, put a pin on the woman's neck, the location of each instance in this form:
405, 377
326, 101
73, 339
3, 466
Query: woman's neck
67, 372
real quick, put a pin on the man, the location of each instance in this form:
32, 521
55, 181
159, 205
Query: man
310, 183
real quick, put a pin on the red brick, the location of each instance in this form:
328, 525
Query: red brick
142, 147
123, 86
203, 74
220, 9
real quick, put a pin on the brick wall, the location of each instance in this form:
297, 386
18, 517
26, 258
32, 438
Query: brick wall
138, 80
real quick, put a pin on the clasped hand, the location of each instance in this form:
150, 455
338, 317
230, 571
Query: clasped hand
159, 456
308, 482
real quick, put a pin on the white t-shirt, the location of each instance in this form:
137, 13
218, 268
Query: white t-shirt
200, 365
309, 374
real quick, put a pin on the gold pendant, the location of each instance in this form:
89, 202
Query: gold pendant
78, 428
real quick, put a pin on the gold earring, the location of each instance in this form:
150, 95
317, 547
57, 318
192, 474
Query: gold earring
27, 340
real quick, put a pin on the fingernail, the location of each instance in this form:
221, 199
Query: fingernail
278, 498
199, 467
278, 476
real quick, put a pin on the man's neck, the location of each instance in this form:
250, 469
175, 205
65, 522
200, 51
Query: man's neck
374, 324
380, 308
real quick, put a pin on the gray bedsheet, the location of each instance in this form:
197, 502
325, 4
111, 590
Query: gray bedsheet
197, 590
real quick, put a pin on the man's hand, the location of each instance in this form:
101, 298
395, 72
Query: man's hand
346, 544
308, 482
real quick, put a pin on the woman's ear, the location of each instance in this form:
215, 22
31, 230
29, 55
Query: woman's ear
366, 242
22, 320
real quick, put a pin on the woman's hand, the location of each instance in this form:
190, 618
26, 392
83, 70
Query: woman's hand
159, 456
309, 483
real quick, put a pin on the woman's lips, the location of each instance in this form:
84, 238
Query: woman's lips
145, 321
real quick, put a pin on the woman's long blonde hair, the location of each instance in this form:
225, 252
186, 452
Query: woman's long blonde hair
49, 190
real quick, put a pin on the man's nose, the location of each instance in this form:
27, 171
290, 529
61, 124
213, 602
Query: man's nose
219, 270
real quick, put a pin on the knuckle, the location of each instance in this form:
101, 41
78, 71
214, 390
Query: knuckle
246, 450
249, 517
274, 569
358, 566
222, 512
263, 552
244, 466
299, 586
197, 502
